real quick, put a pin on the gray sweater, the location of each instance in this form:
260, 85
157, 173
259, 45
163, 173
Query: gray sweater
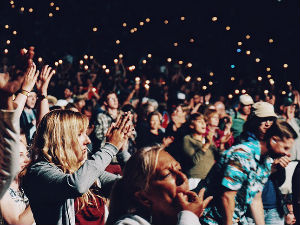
9, 147
51, 192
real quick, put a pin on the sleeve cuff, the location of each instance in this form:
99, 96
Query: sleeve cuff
111, 149
187, 218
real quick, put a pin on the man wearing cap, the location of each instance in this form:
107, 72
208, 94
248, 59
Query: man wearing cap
237, 179
241, 116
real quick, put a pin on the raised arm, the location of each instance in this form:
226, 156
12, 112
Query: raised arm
42, 89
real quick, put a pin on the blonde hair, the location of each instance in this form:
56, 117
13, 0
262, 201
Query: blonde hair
56, 141
136, 177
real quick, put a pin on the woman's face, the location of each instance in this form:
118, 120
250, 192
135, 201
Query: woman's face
214, 120
83, 141
266, 124
167, 181
24, 156
154, 122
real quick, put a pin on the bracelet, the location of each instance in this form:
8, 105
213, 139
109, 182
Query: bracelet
24, 92
41, 97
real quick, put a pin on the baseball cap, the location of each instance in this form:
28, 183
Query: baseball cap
246, 99
264, 109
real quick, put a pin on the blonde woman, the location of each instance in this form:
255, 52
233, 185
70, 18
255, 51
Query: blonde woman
153, 190
60, 173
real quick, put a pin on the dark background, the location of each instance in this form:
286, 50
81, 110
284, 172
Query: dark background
69, 31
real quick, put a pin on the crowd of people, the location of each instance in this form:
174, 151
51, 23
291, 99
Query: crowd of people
120, 150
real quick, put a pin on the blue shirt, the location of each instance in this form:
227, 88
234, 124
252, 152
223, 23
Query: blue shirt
240, 169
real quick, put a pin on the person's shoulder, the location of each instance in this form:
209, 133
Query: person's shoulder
242, 151
131, 219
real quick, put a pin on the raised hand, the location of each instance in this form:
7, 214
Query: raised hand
30, 78
44, 79
119, 132
191, 201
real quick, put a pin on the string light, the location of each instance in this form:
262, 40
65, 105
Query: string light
147, 81
120, 56
180, 62
51, 4
85, 56
81, 62
243, 91
199, 79
271, 81
104, 67
285, 65
248, 36
189, 65
30, 10
147, 86
137, 80
117, 42
214, 19
147, 20
232, 78
144, 61
5, 51
86, 67
124, 24
12, 2
107, 71
166, 22
259, 78
149, 55
40, 59
271, 40
283, 92
240, 43
56, 63
6, 26
269, 76
288, 83
211, 74
57, 8
14, 32
141, 23
204, 87
95, 29
116, 61
266, 91
268, 69
50, 14
227, 28
169, 60
248, 52
237, 91
230, 96
22, 9
210, 83
182, 18
192, 40
188, 79
257, 60
60, 61
175, 44
91, 57
8, 42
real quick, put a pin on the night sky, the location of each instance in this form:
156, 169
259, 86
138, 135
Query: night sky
200, 40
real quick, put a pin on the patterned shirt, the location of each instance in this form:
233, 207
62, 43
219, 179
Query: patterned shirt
240, 169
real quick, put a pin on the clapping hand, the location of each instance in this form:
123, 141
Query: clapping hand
120, 131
